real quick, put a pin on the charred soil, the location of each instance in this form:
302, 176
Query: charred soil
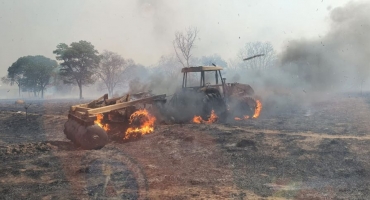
290, 154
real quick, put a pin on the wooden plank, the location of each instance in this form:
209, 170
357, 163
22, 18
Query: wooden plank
117, 99
92, 104
81, 109
73, 108
109, 108
125, 98
79, 114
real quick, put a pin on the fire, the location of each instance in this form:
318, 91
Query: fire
99, 122
239, 119
141, 123
212, 119
258, 109
197, 119
257, 112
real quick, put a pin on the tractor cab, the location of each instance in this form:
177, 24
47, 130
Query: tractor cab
202, 77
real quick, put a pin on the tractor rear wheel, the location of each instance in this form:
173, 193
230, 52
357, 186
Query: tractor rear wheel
243, 107
213, 101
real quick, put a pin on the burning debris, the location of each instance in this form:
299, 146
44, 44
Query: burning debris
99, 122
256, 114
258, 109
212, 119
239, 119
141, 123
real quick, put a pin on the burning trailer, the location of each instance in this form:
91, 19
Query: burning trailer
93, 124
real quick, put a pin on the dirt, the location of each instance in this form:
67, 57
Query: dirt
287, 154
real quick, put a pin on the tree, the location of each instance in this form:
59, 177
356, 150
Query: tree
15, 73
59, 84
213, 59
255, 48
110, 70
169, 66
37, 73
31, 73
5, 80
79, 63
183, 45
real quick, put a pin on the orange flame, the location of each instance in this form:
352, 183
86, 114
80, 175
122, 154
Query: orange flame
146, 125
197, 119
212, 119
239, 119
99, 122
257, 112
258, 109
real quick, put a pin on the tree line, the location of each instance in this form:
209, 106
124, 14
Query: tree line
81, 64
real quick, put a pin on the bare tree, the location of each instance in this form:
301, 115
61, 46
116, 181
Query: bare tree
253, 50
169, 66
110, 70
183, 45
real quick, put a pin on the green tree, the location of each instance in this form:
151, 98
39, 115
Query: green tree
37, 73
31, 73
79, 63
15, 73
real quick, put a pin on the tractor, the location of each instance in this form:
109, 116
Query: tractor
212, 94
92, 125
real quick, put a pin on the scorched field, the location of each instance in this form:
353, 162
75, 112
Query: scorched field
289, 152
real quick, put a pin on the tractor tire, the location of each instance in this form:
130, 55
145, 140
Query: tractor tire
213, 101
243, 106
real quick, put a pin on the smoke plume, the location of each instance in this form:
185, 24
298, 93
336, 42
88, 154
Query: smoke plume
338, 60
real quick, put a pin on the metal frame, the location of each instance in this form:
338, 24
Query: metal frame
202, 69
86, 116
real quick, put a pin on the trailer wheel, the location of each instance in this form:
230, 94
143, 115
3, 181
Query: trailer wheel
94, 138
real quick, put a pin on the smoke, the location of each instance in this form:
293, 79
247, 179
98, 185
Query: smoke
339, 60
312, 70
157, 12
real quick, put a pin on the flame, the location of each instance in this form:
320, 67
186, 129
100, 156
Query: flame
197, 119
257, 112
99, 122
212, 119
258, 109
239, 119
146, 124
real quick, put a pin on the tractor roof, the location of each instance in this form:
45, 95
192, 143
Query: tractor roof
200, 69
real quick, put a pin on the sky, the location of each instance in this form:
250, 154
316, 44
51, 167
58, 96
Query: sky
144, 30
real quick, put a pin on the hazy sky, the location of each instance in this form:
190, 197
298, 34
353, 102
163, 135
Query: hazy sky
143, 30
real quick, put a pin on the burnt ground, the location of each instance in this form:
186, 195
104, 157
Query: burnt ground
286, 154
